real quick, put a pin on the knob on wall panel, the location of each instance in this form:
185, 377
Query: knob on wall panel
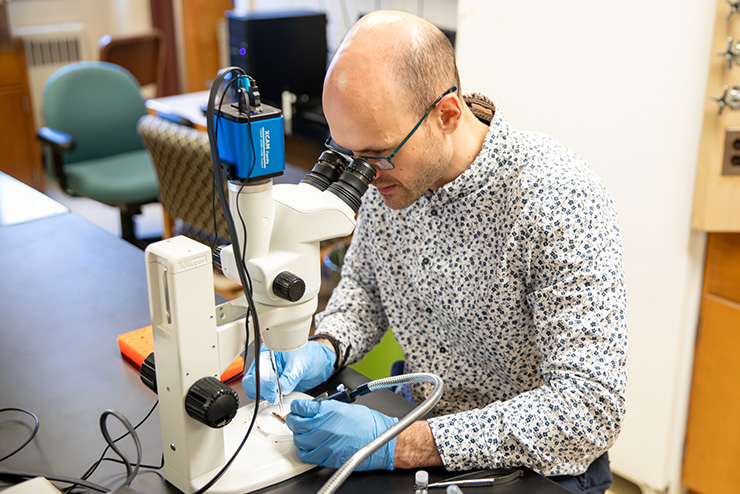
717, 188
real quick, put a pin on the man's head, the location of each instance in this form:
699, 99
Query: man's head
386, 73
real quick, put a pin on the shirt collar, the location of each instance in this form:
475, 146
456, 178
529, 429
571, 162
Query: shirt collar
487, 162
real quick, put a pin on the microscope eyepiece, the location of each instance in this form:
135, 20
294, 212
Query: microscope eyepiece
327, 170
353, 183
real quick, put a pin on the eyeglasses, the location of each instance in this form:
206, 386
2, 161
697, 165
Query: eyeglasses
385, 162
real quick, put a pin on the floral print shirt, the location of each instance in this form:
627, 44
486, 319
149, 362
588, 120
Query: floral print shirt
508, 284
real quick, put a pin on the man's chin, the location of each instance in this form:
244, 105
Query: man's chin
395, 199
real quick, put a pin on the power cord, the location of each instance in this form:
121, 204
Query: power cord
132, 469
30, 437
212, 128
88, 473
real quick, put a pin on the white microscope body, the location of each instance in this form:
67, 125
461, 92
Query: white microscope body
194, 338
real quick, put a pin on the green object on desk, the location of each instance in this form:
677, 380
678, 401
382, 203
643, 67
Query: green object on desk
377, 363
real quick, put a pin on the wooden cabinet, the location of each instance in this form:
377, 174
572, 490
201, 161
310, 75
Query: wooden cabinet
712, 450
200, 27
717, 195
712, 445
20, 153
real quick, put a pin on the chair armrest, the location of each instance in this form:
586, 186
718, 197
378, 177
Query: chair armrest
60, 142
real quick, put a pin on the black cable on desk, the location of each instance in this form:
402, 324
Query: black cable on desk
102, 458
30, 437
131, 470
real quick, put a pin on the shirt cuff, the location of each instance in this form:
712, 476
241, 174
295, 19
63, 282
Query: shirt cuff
463, 443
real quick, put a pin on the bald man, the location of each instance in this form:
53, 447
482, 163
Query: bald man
495, 256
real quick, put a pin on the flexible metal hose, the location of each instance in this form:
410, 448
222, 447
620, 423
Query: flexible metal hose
349, 466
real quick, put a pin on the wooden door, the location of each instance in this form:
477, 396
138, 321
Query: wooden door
200, 20
712, 450
20, 153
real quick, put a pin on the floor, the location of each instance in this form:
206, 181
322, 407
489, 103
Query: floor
622, 486
149, 224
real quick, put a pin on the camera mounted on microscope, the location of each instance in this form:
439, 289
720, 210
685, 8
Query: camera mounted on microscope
250, 135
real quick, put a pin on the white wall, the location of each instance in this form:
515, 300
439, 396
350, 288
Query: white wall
342, 14
623, 84
99, 17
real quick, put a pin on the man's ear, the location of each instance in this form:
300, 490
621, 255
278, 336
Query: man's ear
449, 113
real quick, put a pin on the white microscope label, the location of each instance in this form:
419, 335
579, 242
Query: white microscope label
195, 262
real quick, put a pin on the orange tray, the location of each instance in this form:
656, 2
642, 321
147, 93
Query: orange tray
136, 346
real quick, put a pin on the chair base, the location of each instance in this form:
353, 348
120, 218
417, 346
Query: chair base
128, 227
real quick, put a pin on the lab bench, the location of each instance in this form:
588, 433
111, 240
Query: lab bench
68, 290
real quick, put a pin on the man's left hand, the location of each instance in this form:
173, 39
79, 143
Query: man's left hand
329, 432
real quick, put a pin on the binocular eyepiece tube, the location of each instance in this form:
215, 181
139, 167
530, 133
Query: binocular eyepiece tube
348, 182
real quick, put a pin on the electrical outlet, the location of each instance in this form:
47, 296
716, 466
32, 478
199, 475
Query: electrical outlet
731, 162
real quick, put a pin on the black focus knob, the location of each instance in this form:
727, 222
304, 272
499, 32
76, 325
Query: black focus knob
288, 286
148, 373
211, 402
216, 258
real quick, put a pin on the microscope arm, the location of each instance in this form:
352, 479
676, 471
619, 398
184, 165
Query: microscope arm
195, 339
284, 240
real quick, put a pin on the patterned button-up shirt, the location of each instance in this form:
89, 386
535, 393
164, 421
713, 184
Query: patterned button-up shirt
508, 283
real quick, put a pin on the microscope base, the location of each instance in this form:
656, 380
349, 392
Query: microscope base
267, 458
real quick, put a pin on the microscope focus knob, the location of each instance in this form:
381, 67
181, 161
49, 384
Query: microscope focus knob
148, 372
211, 402
216, 258
288, 286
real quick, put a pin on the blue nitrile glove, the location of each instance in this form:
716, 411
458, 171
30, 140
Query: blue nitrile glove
329, 432
299, 370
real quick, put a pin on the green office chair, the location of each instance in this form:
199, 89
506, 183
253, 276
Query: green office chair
90, 111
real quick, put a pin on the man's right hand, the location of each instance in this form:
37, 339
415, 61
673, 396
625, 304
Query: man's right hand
299, 370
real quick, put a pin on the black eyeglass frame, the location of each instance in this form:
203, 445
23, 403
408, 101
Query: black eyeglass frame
376, 161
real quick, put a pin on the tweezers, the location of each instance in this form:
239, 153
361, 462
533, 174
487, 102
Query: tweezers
465, 480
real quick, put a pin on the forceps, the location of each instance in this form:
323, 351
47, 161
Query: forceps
497, 477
